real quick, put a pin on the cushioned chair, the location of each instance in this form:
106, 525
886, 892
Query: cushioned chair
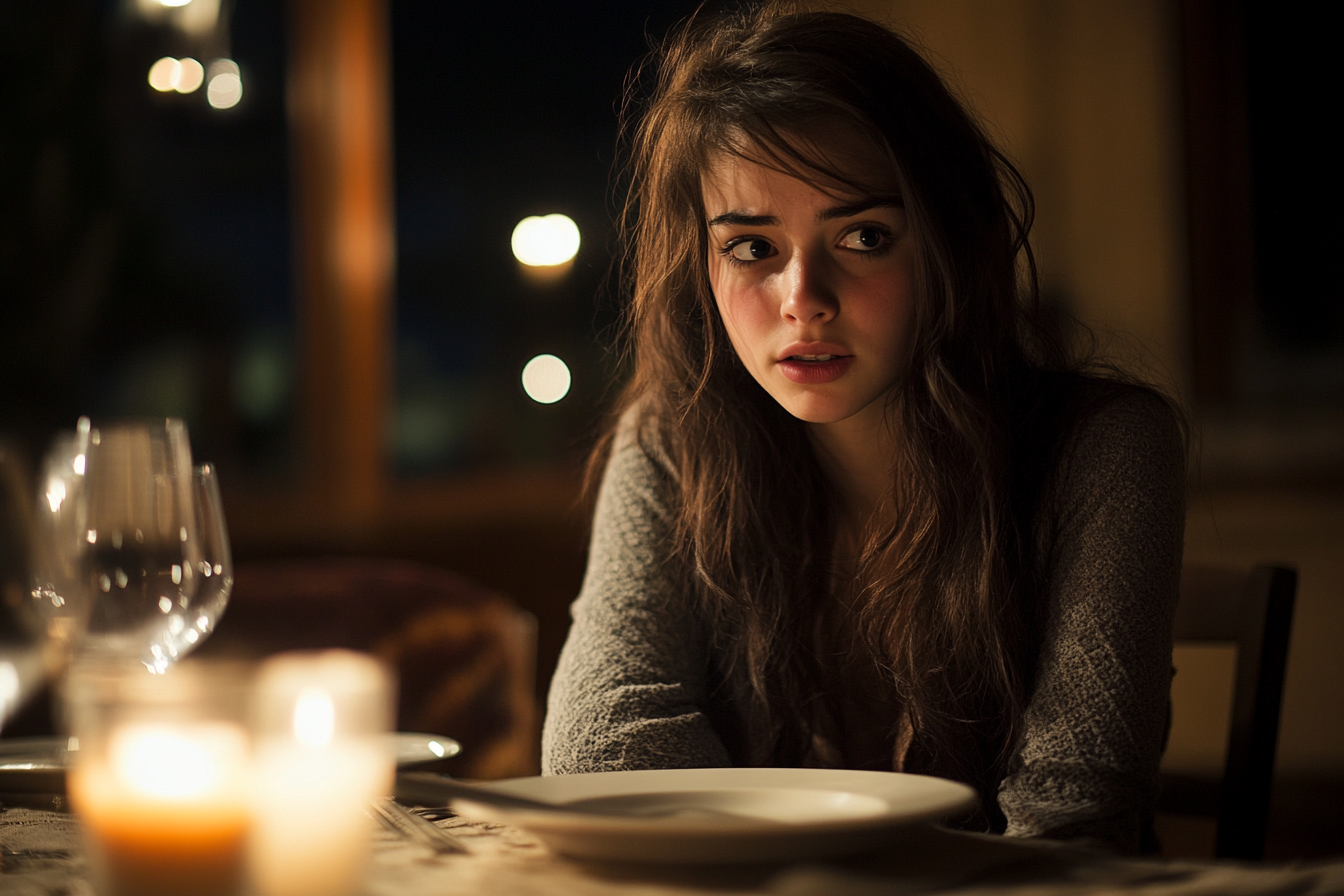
1254, 611
464, 656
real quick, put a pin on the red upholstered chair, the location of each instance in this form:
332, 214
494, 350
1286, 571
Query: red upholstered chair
464, 656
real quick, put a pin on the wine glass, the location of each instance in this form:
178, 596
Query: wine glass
43, 611
58, 538
215, 566
140, 547
23, 637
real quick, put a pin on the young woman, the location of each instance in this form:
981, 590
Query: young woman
856, 510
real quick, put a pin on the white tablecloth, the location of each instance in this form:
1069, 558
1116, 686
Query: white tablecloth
42, 856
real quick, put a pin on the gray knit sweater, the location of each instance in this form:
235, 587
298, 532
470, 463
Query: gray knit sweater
635, 685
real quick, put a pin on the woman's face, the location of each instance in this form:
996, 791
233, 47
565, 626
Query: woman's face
816, 290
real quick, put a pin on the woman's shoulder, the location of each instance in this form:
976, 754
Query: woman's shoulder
637, 442
1072, 410
638, 472
1117, 437
1111, 415
1081, 435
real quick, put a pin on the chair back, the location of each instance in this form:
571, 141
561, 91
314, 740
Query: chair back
464, 656
1254, 611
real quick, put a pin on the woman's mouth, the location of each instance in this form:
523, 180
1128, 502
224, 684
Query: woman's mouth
815, 369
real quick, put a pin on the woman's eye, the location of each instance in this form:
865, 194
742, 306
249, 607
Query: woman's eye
751, 250
864, 239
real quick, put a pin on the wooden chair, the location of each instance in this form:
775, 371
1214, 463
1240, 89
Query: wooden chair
1254, 611
465, 656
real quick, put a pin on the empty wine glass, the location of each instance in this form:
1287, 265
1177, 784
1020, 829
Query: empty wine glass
59, 541
215, 566
23, 637
43, 608
140, 547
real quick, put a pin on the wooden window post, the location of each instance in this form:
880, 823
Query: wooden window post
339, 109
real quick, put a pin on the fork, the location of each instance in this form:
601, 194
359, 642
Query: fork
400, 820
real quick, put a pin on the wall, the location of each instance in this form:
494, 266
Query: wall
1085, 97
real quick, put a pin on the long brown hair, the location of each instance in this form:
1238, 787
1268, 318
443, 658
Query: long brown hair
946, 593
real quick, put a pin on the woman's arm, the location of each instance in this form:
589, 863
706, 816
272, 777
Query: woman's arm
1086, 765
632, 685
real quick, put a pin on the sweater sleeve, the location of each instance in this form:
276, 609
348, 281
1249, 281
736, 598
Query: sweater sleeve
631, 686
1086, 764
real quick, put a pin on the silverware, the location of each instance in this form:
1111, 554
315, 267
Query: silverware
430, 789
400, 820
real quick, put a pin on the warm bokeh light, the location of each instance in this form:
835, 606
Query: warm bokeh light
225, 87
190, 75
182, 75
545, 241
546, 379
196, 18
163, 74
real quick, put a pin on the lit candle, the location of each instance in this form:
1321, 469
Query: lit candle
321, 756
161, 790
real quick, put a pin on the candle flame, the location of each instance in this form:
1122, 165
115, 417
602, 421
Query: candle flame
171, 762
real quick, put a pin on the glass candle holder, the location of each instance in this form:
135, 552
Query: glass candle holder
160, 779
320, 723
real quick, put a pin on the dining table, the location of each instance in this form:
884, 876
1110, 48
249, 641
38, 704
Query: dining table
41, 854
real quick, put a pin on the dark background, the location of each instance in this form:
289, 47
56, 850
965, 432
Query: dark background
145, 238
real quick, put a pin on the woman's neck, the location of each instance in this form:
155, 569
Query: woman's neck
857, 455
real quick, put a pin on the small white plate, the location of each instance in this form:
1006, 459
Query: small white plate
721, 815
38, 763
33, 764
414, 748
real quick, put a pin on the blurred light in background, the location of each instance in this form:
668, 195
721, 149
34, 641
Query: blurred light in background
162, 379
195, 17
190, 75
263, 377
182, 75
545, 241
430, 424
164, 74
546, 378
226, 84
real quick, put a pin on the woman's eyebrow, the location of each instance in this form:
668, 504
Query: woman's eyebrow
858, 208
742, 220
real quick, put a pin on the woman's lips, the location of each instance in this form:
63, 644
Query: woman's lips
814, 372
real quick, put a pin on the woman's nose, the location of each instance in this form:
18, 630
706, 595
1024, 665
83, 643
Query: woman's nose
809, 293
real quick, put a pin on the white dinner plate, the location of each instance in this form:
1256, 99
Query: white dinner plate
721, 815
